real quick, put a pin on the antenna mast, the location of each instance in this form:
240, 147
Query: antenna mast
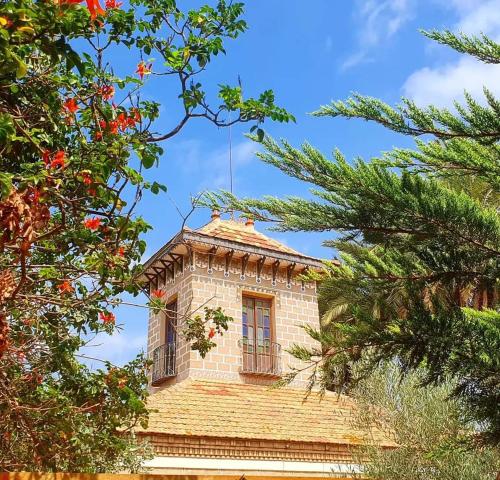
231, 162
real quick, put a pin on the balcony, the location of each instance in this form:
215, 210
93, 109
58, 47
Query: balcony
163, 363
263, 358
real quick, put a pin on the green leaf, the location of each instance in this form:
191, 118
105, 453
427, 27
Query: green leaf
5, 184
21, 70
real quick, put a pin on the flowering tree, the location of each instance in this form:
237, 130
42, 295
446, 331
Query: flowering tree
74, 139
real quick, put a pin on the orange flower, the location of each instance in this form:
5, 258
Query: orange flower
95, 8
59, 160
99, 133
65, 287
70, 106
92, 223
122, 382
157, 293
143, 69
113, 127
122, 121
120, 252
107, 91
35, 195
46, 157
133, 118
211, 333
113, 4
86, 178
107, 317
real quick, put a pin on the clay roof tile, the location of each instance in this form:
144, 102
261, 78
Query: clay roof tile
233, 410
238, 231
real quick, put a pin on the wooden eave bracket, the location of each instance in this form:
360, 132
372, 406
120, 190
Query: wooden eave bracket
178, 259
211, 255
260, 264
244, 263
190, 257
169, 267
190, 236
229, 257
275, 268
289, 272
303, 283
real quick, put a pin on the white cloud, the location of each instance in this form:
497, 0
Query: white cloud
355, 59
441, 84
482, 18
377, 21
213, 165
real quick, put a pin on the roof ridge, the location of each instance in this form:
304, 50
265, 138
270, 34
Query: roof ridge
224, 228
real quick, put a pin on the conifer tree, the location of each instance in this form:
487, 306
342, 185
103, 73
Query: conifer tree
419, 242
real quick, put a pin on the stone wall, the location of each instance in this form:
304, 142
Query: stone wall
293, 306
179, 289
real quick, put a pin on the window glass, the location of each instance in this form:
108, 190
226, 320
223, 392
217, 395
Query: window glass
267, 318
259, 316
170, 322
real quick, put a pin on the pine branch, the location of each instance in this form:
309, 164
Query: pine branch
474, 121
454, 158
483, 48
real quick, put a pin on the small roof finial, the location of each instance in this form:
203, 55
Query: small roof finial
249, 223
215, 215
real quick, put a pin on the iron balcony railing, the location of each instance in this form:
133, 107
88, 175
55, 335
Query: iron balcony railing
260, 358
163, 363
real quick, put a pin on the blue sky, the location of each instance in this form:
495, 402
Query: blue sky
309, 53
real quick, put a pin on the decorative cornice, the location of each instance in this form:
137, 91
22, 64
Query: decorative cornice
209, 240
215, 447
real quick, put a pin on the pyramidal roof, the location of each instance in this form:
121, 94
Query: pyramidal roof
236, 236
242, 231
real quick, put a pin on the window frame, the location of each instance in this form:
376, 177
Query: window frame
272, 331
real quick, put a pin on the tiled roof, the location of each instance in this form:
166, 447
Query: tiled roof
237, 231
231, 410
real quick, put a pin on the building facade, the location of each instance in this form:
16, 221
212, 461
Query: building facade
221, 414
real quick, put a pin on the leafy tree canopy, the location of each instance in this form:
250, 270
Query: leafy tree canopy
419, 244
430, 430
74, 140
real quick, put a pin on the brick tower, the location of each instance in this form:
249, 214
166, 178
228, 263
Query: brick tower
219, 414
